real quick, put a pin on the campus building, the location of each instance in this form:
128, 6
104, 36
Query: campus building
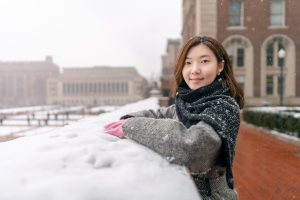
253, 33
31, 83
168, 63
96, 86
24, 83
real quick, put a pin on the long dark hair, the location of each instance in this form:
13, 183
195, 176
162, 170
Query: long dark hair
217, 48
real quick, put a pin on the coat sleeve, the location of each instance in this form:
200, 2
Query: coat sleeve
163, 112
196, 147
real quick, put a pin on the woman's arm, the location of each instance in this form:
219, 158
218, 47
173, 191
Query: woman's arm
163, 112
196, 147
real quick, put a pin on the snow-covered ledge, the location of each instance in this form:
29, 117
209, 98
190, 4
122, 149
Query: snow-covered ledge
80, 162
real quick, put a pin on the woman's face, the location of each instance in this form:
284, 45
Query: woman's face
201, 67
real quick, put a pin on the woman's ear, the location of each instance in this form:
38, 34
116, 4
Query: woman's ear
221, 66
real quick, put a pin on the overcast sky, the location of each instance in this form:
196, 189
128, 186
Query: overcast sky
79, 33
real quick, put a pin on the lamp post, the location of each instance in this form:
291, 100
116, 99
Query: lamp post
281, 56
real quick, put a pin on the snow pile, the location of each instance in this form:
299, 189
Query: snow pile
80, 162
291, 111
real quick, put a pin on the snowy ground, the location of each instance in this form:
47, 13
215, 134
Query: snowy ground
81, 162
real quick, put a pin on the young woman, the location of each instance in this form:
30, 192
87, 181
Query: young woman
199, 131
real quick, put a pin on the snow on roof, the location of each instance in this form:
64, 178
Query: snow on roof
81, 162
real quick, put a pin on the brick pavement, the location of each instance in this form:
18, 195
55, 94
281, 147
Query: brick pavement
266, 167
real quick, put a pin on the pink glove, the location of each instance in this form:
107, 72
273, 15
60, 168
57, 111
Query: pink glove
115, 128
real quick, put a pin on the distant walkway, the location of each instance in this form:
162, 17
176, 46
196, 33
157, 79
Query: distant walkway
266, 167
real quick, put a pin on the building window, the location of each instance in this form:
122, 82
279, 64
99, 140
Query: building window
99, 88
81, 88
270, 54
237, 49
272, 49
86, 87
240, 57
270, 85
277, 12
104, 88
64, 88
76, 88
108, 89
113, 88
126, 88
235, 12
70, 88
90, 87
118, 88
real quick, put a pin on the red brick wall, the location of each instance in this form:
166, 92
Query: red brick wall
189, 20
256, 22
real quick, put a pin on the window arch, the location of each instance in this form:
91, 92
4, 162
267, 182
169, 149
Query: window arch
240, 52
236, 48
270, 68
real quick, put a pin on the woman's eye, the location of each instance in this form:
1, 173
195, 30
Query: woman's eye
205, 61
187, 62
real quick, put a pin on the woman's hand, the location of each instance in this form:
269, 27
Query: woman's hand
115, 128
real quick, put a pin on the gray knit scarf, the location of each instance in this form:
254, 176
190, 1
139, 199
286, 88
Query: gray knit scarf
213, 105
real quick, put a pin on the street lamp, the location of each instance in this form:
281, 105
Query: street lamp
281, 56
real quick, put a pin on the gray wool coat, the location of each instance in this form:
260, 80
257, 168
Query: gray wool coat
196, 147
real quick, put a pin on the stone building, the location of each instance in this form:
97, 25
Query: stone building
24, 83
253, 32
32, 83
96, 86
168, 63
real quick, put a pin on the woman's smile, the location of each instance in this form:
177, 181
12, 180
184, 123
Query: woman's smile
196, 80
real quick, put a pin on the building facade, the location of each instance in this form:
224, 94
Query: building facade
168, 63
253, 32
24, 83
96, 86
34, 83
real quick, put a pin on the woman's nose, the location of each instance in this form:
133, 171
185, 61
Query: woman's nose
195, 69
